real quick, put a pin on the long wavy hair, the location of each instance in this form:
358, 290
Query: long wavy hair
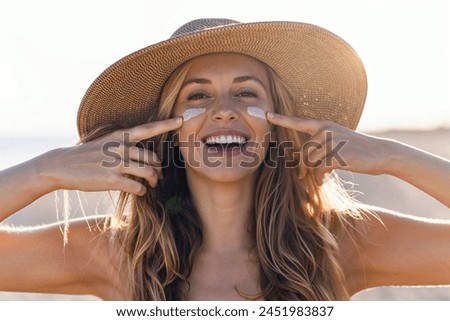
295, 225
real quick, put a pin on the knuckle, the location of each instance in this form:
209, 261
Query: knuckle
133, 152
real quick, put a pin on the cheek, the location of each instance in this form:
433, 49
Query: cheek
183, 135
187, 133
264, 130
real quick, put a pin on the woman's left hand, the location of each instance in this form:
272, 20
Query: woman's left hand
332, 146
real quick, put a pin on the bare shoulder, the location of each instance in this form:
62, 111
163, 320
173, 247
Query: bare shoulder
391, 248
38, 260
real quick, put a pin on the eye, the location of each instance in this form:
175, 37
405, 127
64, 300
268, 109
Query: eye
197, 96
247, 94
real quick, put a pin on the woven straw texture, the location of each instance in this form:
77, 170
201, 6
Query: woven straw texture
324, 74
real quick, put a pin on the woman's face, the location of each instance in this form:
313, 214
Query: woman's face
223, 141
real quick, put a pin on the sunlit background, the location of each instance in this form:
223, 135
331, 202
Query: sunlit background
51, 51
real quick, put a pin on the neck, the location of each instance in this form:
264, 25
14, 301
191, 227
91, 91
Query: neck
226, 210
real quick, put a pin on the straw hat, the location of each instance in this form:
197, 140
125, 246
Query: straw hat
325, 75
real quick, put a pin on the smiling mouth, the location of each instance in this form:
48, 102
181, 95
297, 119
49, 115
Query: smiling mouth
225, 142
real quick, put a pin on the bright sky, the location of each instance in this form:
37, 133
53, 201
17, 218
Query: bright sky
52, 50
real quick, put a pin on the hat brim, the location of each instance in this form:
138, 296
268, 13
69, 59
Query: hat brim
324, 74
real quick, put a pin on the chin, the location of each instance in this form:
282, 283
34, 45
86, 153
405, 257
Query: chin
225, 174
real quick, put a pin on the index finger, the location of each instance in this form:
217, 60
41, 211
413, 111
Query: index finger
309, 126
155, 128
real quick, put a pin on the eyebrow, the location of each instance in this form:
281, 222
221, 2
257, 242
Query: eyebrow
206, 81
242, 79
196, 81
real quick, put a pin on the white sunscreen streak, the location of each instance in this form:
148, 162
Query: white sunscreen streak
256, 112
193, 112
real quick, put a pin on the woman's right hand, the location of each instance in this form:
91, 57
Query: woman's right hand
105, 163
100, 165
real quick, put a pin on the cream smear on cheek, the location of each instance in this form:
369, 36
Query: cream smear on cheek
192, 112
251, 110
256, 112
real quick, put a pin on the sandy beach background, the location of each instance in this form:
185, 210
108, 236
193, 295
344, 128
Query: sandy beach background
383, 191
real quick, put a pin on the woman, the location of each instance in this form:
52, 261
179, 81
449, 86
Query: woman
221, 174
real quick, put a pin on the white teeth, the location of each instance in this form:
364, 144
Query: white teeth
226, 139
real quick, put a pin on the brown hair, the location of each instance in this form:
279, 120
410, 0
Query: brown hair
294, 228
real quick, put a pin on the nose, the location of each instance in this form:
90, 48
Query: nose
225, 112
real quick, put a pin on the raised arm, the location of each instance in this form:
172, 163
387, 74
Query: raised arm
36, 259
388, 248
342, 148
425, 171
99, 165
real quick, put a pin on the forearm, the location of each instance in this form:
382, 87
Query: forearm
425, 171
22, 184
86, 167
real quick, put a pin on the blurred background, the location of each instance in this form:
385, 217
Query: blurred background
51, 51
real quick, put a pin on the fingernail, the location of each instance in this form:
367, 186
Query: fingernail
270, 115
178, 120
